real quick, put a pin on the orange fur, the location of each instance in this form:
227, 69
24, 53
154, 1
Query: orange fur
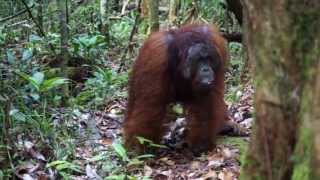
151, 90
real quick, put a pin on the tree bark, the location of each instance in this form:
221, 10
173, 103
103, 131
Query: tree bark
153, 15
40, 14
283, 39
104, 18
173, 11
64, 37
144, 8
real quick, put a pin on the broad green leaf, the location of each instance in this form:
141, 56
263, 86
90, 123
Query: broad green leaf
35, 96
121, 151
17, 115
34, 38
11, 56
52, 83
29, 79
26, 55
38, 77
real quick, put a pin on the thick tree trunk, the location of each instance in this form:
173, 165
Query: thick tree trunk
153, 15
284, 43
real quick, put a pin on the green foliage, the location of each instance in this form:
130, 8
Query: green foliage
302, 155
207, 8
120, 31
65, 168
85, 18
88, 46
149, 143
235, 68
35, 97
40, 84
104, 85
116, 162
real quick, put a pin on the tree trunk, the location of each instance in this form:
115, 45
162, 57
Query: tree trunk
284, 43
64, 33
104, 18
40, 14
144, 9
173, 11
153, 15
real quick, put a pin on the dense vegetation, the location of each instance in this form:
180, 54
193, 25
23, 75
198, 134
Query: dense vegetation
44, 96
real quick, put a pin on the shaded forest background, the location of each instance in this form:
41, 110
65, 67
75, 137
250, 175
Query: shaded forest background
64, 69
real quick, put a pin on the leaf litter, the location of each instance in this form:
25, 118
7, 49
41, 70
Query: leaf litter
98, 130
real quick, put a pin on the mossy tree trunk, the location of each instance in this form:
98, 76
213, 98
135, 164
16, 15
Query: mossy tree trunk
283, 40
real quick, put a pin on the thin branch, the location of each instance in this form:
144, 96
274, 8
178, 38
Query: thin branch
122, 60
33, 19
42, 33
15, 15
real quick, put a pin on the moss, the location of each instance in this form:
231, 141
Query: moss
239, 142
302, 156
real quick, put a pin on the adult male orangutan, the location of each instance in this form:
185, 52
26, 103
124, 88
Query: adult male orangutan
185, 65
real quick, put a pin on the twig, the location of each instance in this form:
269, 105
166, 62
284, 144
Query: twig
15, 15
42, 33
134, 28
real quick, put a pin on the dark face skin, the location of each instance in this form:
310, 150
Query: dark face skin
200, 65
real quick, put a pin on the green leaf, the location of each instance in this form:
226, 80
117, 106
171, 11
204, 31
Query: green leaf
26, 55
135, 162
98, 157
38, 77
34, 38
121, 151
29, 79
52, 83
143, 140
54, 163
145, 156
17, 115
158, 145
117, 177
11, 56
35, 96
62, 165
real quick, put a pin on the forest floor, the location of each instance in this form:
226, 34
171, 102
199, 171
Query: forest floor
175, 162
99, 153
